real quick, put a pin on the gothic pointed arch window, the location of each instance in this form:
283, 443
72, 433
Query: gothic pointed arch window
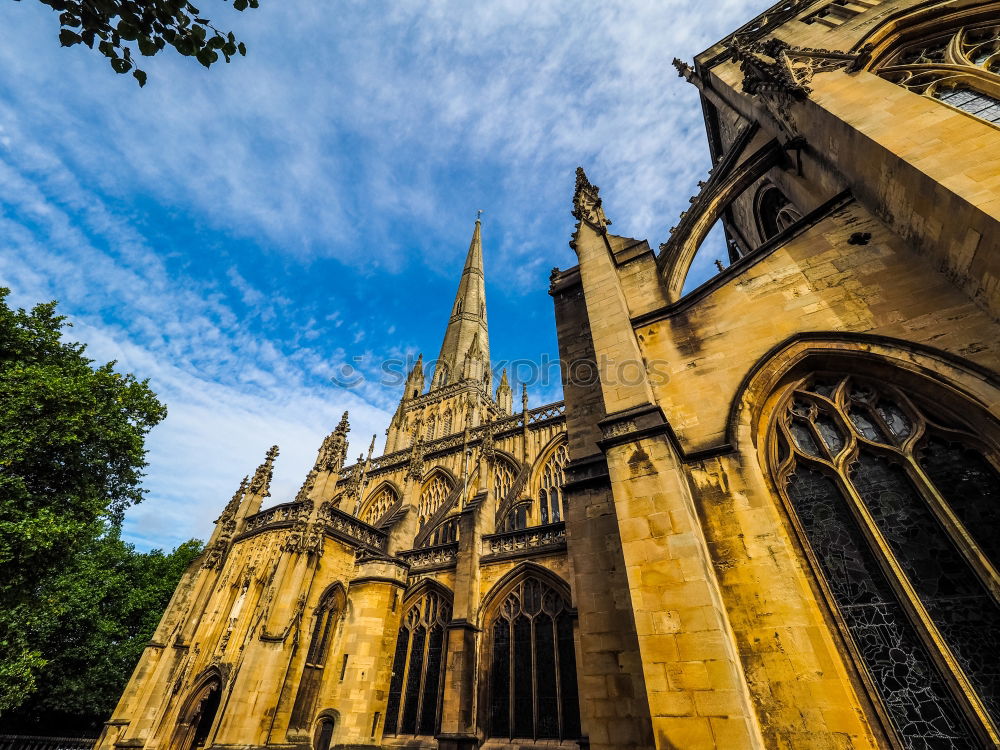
532, 665
957, 65
773, 211
551, 479
432, 496
448, 423
503, 479
414, 705
898, 506
431, 427
377, 505
324, 621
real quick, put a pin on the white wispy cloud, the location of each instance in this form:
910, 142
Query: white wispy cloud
353, 134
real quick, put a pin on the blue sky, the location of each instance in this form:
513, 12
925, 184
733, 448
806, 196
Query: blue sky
237, 234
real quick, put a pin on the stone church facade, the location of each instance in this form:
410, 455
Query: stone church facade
767, 514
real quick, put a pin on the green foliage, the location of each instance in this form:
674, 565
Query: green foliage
120, 28
100, 612
71, 460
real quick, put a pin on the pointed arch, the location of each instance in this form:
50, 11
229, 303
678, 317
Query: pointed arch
772, 210
418, 666
953, 58
379, 502
421, 587
444, 531
437, 485
857, 448
960, 379
528, 657
511, 579
547, 480
326, 616
199, 713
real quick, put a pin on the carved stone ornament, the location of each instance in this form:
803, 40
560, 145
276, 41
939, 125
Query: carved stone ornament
214, 555
234, 504
415, 469
587, 202
261, 482
488, 445
334, 449
616, 429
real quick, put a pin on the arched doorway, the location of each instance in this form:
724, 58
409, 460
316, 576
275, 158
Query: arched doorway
324, 733
199, 716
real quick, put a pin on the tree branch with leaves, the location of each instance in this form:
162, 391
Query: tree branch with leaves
122, 30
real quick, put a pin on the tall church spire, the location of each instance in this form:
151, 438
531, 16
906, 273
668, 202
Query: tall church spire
465, 351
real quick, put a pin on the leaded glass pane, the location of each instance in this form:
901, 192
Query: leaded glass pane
428, 708
500, 680
962, 610
524, 697
396, 683
913, 692
865, 425
830, 433
533, 669
895, 418
804, 438
969, 100
971, 486
545, 661
409, 724
567, 677
824, 388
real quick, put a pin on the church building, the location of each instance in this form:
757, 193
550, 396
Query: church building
767, 515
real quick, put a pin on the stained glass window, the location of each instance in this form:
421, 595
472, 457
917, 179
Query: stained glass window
414, 702
532, 678
960, 67
850, 450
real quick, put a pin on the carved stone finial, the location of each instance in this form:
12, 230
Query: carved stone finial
233, 505
683, 69
261, 482
718, 264
333, 451
587, 202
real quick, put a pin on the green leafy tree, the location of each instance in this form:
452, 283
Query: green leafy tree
71, 460
122, 28
101, 611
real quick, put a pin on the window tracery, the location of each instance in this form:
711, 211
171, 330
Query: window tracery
503, 479
418, 668
532, 678
550, 508
860, 461
431, 428
378, 505
432, 496
959, 67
